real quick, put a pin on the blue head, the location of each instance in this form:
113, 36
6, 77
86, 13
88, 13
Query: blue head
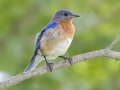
64, 15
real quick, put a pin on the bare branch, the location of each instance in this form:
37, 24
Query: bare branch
113, 43
41, 70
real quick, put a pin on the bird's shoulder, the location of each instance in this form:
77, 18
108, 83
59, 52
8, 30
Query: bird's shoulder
50, 26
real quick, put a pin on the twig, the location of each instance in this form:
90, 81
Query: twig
113, 43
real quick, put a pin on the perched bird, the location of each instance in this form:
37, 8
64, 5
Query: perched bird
54, 39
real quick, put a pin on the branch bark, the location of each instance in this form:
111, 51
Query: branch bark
82, 57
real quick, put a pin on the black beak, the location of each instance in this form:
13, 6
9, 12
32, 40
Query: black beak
74, 15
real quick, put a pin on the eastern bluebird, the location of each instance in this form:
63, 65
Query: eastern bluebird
54, 39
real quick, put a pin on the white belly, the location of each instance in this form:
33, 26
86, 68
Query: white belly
59, 50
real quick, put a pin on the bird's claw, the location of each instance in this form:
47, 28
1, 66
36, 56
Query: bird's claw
50, 66
67, 59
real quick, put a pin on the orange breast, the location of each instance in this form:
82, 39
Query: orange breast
67, 28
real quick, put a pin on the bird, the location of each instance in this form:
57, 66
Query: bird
54, 40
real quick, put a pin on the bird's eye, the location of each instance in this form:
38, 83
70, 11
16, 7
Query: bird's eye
65, 14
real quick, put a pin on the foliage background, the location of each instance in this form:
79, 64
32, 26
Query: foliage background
97, 27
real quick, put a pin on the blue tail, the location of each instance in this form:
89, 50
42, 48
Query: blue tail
32, 64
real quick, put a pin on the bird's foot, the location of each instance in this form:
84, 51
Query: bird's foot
50, 66
67, 59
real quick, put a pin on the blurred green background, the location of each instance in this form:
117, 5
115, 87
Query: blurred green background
97, 27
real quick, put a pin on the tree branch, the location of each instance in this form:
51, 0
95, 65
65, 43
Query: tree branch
113, 43
82, 57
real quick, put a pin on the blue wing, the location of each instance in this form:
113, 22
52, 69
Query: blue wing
51, 25
37, 47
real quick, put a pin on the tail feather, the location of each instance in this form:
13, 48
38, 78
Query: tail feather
33, 64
